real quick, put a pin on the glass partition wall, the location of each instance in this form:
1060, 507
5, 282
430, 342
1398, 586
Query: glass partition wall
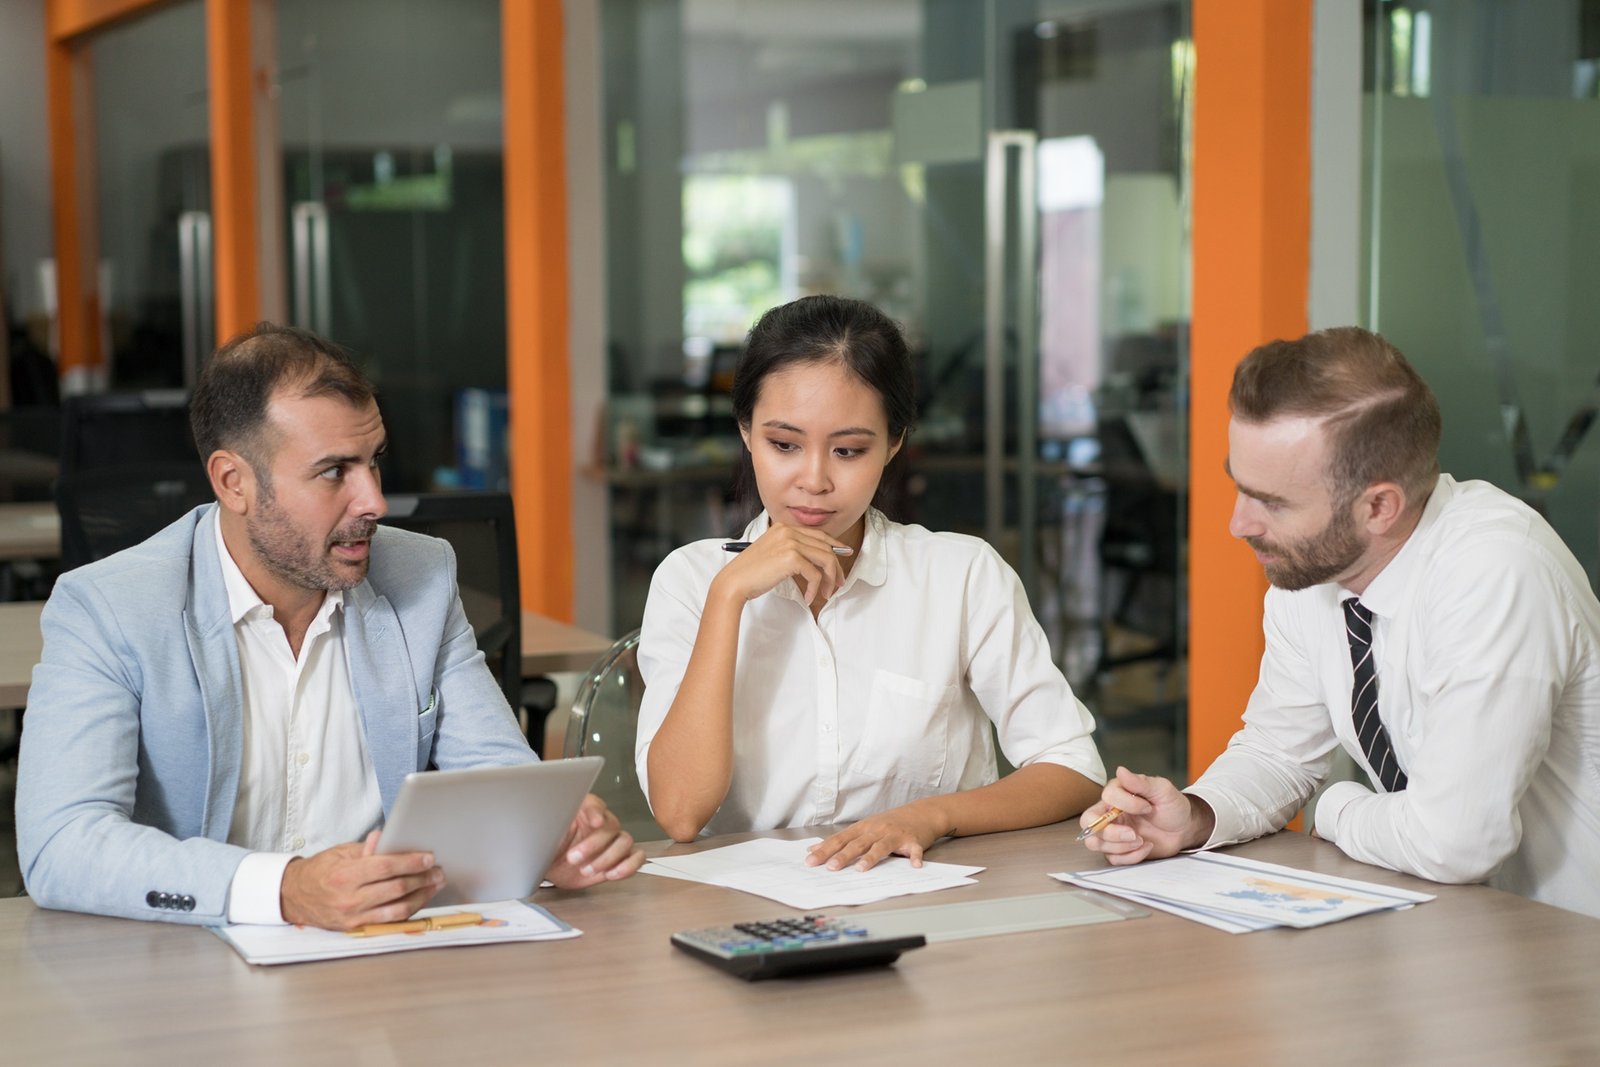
1483, 240
152, 190
1006, 179
393, 213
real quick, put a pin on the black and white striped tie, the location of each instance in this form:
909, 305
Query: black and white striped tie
1364, 699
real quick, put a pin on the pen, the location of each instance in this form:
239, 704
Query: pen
419, 926
740, 546
1099, 824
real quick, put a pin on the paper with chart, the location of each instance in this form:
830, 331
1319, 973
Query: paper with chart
505, 920
1237, 894
777, 870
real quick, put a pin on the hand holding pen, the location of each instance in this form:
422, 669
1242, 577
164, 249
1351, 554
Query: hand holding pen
812, 558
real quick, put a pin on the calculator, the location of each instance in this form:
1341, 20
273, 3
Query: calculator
777, 948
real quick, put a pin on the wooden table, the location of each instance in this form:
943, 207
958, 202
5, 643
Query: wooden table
1477, 976
547, 646
29, 531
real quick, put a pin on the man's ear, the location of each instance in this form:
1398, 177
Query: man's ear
232, 480
1380, 507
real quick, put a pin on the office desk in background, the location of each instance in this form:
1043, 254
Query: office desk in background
1475, 976
29, 531
547, 646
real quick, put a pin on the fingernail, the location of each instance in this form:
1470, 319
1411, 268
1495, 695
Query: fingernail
587, 868
574, 856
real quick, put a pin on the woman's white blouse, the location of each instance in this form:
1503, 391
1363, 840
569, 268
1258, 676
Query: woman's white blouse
886, 697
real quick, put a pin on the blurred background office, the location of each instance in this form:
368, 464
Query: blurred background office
1012, 180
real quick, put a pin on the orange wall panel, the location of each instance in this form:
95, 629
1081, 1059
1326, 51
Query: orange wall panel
1251, 248
536, 302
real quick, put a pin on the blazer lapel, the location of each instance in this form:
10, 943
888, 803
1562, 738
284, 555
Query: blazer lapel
208, 629
380, 675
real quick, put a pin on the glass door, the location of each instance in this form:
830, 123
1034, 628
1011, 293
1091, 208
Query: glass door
152, 195
1005, 178
394, 215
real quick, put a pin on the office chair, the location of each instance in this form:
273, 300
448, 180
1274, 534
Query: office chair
123, 429
604, 721
108, 508
482, 529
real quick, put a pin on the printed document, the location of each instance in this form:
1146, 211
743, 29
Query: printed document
777, 870
505, 920
1238, 895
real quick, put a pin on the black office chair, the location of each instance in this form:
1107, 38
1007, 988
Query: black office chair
123, 429
482, 529
108, 508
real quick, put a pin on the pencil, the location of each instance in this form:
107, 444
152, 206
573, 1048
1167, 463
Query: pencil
419, 926
1099, 824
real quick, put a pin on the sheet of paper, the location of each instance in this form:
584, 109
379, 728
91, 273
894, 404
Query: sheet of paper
777, 870
1246, 892
505, 920
1216, 920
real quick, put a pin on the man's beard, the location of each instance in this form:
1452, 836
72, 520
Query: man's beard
1319, 558
285, 552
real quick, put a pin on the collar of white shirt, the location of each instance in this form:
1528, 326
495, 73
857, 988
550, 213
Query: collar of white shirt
871, 565
243, 599
1386, 593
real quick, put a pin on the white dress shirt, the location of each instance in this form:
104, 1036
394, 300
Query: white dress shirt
886, 697
1486, 636
306, 781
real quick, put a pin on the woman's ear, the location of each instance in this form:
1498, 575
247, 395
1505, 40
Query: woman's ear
744, 435
894, 449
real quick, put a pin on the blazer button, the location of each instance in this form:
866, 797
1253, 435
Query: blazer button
153, 899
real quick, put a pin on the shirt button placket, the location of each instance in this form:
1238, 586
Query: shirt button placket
827, 680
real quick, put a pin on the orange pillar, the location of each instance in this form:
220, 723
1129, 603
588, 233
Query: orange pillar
76, 244
536, 301
234, 197
1252, 251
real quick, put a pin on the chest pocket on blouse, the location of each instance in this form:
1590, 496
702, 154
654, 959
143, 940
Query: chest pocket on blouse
906, 732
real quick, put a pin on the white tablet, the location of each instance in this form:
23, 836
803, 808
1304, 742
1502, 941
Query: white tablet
494, 830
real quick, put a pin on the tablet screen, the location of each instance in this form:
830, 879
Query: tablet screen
494, 830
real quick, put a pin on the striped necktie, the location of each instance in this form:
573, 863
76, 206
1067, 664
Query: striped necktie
1364, 699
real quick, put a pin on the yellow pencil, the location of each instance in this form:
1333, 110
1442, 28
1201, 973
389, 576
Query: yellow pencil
1099, 824
418, 926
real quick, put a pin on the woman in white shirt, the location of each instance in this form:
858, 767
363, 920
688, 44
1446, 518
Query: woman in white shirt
845, 668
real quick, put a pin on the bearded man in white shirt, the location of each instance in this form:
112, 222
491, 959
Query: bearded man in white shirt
224, 713
1439, 631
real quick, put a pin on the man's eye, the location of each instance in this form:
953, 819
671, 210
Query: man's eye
332, 474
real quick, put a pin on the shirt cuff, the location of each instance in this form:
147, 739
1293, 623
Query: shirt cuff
255, 894
1331, 805
1225, 822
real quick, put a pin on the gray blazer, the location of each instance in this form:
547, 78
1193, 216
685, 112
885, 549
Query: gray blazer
132, 742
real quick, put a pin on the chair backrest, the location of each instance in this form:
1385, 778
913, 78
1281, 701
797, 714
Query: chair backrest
106, 509
117, 429
604, 722
482, 529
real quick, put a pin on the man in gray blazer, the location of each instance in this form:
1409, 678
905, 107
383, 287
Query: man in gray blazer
224, 713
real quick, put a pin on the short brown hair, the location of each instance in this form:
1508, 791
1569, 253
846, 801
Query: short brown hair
1381, 418
229, 406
